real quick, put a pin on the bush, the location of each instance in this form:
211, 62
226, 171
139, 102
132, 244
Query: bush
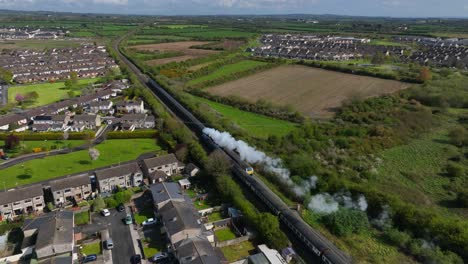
134, 134
11, 141
458, 136
98, 204
455, 170
346, 222
462, 199
28, 136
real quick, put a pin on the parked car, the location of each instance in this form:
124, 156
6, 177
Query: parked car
135, 259
89, 258
160, 256
121, 208
105, 212
109, 244
5, 157
150, 221
128, 219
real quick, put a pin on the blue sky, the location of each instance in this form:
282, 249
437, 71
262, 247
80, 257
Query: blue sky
395, 8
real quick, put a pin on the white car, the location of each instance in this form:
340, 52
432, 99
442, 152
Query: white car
105, 212
159, 256
150, 221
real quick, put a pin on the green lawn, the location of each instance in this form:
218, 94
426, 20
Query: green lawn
93, 248
27, 146
48, 92
111, 152
82, 218
382, 42
143, 215
256, 125
239, 251
225, 234
216, 216
154, 242
217, 34
227, 70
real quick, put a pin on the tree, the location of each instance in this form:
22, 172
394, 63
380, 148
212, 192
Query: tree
19, 98
268, 225
94, 154
378, 58
74, 77
462, 199
425, 74
32, 96
98, 204
455, 170
12, 141
217, 164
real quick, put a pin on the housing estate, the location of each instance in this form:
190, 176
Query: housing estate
70, 190
122, 176
167, 164
21, 200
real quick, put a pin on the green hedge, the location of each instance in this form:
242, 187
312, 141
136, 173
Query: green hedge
29, 136
134, 134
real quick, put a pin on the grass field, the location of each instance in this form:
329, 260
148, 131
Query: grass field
239, 251
385, 43
81, 34
48, 92
227, 70
218, 34
27, 146
82, 218
412, 171
93, 248
111, 152
314, 92
256, 125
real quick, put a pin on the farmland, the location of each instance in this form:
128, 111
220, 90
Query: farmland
38, 44
111, 152
314, 92
227, 70
48, 92
183, 48
256, 125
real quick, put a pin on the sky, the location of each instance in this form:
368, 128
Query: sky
394, 8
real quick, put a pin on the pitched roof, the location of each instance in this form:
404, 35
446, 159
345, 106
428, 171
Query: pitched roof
199, 248
70, 182
56, 228
166, 191
86, 118
21, 193
161, 160
178, 216
117, 171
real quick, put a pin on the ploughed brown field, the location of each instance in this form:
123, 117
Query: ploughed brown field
313, 92
181, 46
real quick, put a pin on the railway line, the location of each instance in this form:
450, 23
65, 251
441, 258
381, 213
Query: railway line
311, 239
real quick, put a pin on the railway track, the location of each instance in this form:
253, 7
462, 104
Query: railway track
311, 238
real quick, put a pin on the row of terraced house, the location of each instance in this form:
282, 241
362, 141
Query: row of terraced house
69, 190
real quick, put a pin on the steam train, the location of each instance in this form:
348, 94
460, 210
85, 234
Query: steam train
312, 239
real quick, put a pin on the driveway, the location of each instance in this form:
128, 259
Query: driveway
120, 234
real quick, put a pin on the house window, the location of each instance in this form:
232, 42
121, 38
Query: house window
57, 192
159, 168
28, 201
16, 203
38, 205
37, 198
67, 190
5, 206
121, 177
58, 200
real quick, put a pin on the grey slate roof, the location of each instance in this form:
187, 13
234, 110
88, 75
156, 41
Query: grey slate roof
160, 161
70, 182
198, 247
178, 216
85, 118
54, 228
117, 171
166, 191
21, 193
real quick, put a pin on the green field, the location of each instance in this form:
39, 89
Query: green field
38, 44
413, 170
239, 251
48, 92
27, 146
82, 34
82, 218
111, 152
227, 70
385, 42
218, 34
184, 26
256, 125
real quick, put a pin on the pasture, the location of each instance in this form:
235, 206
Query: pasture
48, 92
254, 124
314, 92
38, 44
183, 48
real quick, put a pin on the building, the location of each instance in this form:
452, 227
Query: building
196, 250
104, 107
164, 192
54, 233
167, 163
21, 201
122, 176
131, 107
50, 122
87, 121
3, 93
134, 121
266, 256
70, 190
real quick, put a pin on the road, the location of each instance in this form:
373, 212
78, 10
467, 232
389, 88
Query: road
120, 234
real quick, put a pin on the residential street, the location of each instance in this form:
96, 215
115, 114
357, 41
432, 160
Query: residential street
120, 234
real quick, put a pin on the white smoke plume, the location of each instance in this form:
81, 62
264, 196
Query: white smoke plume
326, 203
254, 156
384, 219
